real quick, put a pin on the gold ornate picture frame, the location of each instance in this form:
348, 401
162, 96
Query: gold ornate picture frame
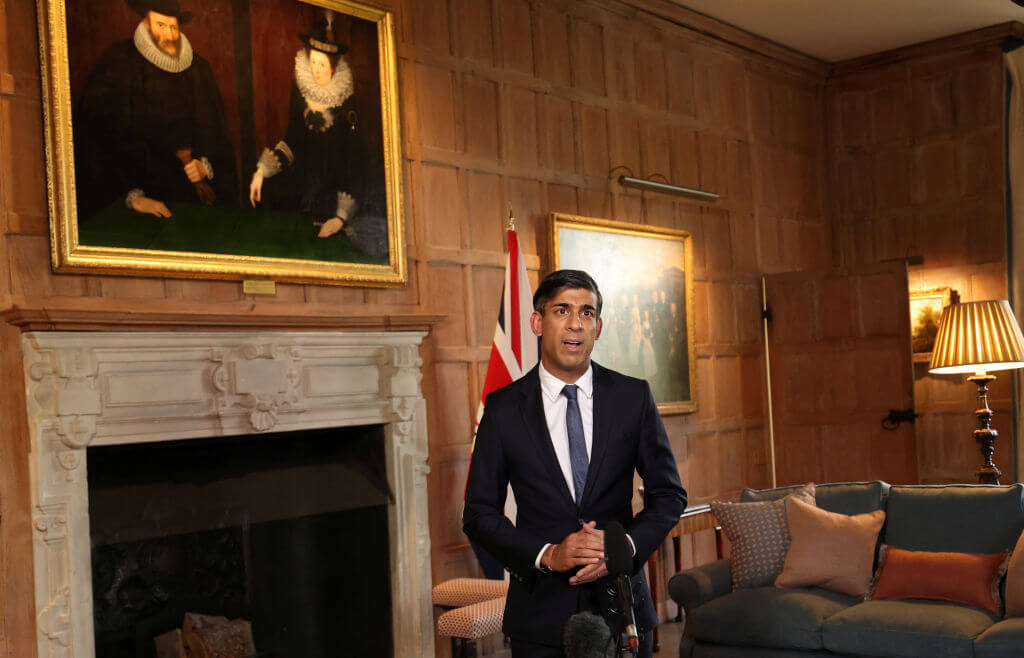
645, 275
925, 310
246, 95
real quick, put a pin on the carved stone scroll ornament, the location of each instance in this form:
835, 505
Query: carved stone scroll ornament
263, 379
68, 393
54, 617
400, 382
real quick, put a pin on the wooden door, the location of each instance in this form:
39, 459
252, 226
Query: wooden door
839, 344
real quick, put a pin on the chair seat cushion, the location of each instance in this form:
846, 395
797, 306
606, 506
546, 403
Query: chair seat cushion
473, 622
768, 617
1002, 640
906, 629
458, 592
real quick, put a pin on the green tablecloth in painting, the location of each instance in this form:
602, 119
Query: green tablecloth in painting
220, 230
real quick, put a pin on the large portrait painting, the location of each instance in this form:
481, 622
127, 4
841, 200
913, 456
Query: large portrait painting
247, 139
645, 275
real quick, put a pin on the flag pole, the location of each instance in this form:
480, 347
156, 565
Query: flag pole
511, 225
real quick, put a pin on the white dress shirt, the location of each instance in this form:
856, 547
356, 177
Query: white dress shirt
554, 413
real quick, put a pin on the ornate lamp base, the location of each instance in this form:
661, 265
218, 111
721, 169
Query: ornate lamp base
987, 473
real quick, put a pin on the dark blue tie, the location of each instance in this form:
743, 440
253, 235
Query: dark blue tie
577, 444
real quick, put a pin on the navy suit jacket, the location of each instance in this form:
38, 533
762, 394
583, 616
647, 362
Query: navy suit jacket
513, 446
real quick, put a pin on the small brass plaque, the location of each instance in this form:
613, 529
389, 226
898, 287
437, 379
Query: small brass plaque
250, 287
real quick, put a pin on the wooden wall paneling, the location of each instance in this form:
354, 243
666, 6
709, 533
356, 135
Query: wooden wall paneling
17, 603
838, 374
531, 103
933, 136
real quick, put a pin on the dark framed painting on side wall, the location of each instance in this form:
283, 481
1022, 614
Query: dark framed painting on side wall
236, 139
645, 274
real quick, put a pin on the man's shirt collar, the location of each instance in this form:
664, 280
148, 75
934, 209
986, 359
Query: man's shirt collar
552, 386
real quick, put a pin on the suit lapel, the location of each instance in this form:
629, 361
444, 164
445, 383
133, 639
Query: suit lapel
602, 429
537, 428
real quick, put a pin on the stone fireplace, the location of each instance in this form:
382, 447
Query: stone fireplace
94, 389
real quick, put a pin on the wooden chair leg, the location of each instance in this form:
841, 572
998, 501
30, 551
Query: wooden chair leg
677, 550
654, 576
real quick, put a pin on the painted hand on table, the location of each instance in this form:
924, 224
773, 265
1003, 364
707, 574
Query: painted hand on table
148, 206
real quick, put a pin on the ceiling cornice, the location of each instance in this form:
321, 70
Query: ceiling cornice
712, 28
985, 37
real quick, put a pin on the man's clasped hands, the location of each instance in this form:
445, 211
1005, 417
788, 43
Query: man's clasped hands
583, 548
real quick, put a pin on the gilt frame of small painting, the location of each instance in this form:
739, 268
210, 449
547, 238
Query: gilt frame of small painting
925, 310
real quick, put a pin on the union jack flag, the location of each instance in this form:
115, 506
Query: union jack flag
514, 352
514, 349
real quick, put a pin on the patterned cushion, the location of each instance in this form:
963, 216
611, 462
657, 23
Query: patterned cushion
458, 592
759, 536
473, 622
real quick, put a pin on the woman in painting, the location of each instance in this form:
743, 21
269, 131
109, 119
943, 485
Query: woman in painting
319, 167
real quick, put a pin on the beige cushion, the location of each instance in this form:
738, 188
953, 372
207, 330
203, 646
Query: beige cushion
1015, 581
458, 592
473, 622
829, 550
758, 537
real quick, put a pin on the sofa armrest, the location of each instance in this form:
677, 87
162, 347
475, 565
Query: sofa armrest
697, 586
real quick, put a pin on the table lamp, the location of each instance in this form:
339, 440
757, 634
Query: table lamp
979, 337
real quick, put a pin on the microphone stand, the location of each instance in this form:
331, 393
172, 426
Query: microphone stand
625, 592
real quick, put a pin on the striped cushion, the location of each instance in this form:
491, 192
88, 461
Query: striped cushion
473, 622
458, 592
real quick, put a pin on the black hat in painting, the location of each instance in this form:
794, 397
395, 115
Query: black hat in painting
321, 36
165, 7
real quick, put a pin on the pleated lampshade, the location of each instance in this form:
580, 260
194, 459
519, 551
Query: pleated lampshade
977, 337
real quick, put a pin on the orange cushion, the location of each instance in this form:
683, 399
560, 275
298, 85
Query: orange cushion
968, 578
1015, 581
829, 550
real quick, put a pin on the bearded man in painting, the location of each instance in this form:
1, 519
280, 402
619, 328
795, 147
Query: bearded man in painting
150, 124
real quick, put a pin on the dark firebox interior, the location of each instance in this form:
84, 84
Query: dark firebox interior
287, 530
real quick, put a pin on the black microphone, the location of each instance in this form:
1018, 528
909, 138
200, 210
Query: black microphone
619, 559
587, 636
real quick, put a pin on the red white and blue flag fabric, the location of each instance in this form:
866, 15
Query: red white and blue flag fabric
514, 352
514, 349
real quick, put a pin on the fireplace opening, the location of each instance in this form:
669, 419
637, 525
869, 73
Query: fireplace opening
287, 531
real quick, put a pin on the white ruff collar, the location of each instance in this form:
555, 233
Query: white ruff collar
334, 94
160, 59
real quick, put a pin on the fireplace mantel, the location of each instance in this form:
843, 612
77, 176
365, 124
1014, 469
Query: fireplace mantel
83, 315
107, 388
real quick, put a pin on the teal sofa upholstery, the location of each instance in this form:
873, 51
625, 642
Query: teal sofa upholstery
770, 622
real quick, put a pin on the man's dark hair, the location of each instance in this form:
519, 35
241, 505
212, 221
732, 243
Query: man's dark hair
558, 281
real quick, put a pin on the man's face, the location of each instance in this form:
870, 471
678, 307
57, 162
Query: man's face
567, 330
164, 31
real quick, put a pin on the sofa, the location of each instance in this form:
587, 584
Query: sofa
773, 622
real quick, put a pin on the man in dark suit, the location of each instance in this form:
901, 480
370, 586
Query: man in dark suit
568, 436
